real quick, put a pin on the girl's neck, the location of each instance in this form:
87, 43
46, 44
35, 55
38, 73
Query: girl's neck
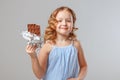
62, 42
61, 39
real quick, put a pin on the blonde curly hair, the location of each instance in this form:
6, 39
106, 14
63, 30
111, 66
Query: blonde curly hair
50, 32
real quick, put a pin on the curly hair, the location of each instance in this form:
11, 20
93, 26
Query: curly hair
50, 32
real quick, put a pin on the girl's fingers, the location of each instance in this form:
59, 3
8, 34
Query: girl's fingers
31, 48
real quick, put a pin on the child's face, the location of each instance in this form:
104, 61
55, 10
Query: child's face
65, 22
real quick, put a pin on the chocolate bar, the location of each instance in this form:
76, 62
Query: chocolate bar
34, 28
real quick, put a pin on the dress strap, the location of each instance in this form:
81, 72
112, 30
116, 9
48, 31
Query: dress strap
72, 42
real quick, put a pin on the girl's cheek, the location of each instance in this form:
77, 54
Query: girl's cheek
58, 25
71, 29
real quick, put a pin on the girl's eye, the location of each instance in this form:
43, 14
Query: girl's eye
59, 20
68, 20
65, 20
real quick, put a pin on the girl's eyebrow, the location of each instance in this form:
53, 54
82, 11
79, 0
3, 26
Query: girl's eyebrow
65, 18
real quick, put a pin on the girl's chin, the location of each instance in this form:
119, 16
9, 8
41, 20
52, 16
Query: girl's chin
64, 33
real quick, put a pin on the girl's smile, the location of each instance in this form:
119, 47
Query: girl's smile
64, 27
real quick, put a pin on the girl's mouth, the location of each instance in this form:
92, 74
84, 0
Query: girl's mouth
64, 28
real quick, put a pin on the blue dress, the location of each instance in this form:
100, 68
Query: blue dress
62, 63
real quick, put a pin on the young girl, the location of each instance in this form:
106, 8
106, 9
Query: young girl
61, 57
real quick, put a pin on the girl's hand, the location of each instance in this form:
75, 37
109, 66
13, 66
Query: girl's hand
30, 49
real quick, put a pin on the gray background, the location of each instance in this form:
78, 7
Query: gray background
99, 33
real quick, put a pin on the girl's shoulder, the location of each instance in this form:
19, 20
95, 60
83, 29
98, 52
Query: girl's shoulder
45, 49
76, 43
48, 45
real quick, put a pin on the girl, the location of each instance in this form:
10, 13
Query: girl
61, 57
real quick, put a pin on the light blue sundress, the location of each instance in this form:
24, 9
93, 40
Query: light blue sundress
62, 63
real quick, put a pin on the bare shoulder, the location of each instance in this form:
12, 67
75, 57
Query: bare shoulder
77, 43
47, 46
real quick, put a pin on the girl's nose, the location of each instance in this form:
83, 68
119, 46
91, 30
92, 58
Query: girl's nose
63, 22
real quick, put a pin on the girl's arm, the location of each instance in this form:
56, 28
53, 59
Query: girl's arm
82, 61
39, 62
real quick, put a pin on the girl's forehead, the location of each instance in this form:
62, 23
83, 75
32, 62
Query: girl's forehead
64, 13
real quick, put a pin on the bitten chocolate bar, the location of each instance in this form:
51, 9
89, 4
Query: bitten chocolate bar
34, 28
